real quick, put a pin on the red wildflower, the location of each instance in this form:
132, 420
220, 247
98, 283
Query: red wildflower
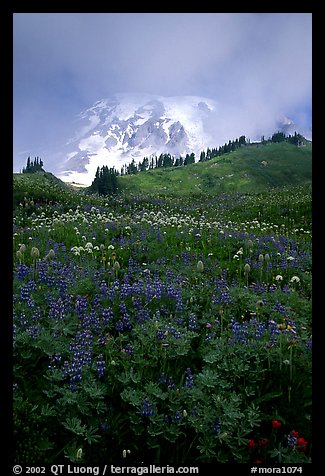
251, 444
276, 424
294, 433
302, 444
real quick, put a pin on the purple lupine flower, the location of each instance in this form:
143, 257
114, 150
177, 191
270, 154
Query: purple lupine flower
107, 315
22, 271
292, 439
216, 427
23, 321
96, 302
166, 381
54, 359
119, 325
33, 331
260, 330
192, 323
126, 322
128, 349
25, 293
103, 288
147, 408
280, 308
100, 366
175, 333
240, 331
274, 332
178, 416
189, 380
80, 305
36, 316
161, 334
57, 310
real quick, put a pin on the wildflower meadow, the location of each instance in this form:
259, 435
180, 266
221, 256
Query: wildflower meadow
163, 329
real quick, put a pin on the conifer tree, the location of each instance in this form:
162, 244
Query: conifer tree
105, 181
33, 166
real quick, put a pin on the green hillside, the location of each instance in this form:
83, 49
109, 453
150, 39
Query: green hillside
40, 186
251, 168
159, 321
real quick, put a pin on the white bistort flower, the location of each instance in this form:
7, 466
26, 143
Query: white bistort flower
200, 266
89, 247
75, 250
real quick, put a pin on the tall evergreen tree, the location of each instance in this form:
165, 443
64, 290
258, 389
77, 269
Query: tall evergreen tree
33, 166
202, 156
105, 181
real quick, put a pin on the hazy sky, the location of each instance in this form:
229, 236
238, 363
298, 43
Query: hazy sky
255, 65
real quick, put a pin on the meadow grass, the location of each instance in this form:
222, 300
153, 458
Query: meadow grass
253, 168
157, 329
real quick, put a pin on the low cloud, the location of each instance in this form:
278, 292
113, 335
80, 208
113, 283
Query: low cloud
257, 66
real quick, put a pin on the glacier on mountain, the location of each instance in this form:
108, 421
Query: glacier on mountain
116, 130
125, 127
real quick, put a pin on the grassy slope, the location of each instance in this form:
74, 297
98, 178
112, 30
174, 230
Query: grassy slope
32, 186
238, 171
38, 178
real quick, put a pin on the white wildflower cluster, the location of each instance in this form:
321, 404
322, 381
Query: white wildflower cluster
238, 254
153, 216
72, 220
76, 250
200, 266
89, 247
247, 269
21, 251
34, 252
50, 255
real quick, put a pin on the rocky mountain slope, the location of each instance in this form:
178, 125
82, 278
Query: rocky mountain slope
125, 127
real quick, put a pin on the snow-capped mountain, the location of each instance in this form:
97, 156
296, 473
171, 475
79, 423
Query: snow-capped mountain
124, 127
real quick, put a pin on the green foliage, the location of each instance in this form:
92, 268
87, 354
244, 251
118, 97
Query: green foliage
105, 181
33, 166
249, 168
144, 336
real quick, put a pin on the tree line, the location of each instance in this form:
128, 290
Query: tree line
295, 139
105, 180
33, 166
167, 160
163, 160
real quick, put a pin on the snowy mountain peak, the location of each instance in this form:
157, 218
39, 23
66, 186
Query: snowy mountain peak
125, 127
116, 130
